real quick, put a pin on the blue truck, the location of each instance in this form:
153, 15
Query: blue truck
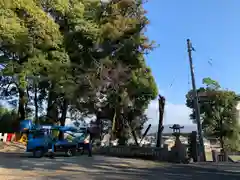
42, 140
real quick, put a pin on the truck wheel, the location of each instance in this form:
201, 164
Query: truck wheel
70, 152
74, 152
38, 152
82, 151
52, 155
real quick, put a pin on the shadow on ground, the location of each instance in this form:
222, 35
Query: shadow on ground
107, 168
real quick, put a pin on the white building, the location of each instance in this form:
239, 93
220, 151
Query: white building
238, 111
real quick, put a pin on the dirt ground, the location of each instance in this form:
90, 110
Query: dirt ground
19, 166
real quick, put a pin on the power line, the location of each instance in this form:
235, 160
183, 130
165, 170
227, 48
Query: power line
210, 62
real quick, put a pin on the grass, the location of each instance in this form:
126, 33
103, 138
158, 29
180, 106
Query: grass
235, 158
209, 157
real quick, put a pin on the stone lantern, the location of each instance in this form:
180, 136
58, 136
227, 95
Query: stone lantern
176, 128
178, 150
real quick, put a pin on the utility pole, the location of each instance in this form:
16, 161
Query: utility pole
195, 96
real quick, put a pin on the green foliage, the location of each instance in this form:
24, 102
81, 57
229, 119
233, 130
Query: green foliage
232, 143
210, 83
76, 55
7, 119
218, 112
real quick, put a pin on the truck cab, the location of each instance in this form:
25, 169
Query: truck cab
39, 141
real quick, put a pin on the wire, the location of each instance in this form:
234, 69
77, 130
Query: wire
209, 61
172, 82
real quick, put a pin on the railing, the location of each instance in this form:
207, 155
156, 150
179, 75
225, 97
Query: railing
234, 153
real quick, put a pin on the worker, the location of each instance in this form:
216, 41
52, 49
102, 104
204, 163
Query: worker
55, 135
88, 143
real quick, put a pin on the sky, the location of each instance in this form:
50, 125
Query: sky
213, 26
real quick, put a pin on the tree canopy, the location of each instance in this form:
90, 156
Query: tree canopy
76, 56
219, 115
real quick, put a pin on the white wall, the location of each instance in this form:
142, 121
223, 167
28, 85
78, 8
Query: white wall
238, 111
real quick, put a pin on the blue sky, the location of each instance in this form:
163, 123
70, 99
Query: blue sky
214, 29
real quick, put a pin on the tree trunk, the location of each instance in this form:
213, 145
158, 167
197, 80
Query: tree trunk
221, 134
52, 111
113, 124
221, 142
99, 125
161, 101
21, 104
36, 103
21, 113
133, 132
51, 100
134, 137
63, 117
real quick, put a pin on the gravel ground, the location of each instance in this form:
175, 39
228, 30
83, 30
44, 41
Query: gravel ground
17, 166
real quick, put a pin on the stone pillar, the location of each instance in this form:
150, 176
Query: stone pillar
214, 156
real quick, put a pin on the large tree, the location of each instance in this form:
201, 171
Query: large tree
70, 54
28, 36
122, 76
218, 112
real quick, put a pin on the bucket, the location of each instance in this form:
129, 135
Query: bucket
26, 125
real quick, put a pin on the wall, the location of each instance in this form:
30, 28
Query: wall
238, 111
136, 152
